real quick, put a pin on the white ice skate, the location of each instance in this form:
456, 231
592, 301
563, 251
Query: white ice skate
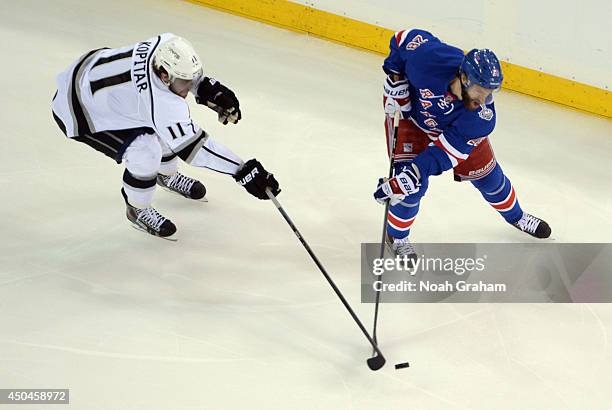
401, 247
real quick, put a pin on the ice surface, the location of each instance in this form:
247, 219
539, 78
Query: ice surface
235, 315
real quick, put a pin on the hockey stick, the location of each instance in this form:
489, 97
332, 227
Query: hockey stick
396, 119
374, 363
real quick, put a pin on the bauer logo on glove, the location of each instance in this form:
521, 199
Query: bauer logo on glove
255, 179
396, 189
250, 176
396, 96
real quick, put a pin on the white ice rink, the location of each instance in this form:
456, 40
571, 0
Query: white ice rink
235, 315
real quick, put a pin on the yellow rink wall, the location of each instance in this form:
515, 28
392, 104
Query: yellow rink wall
297, 17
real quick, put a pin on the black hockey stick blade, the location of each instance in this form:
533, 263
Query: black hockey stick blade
376, 362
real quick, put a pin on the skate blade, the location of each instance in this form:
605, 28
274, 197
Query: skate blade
168, 238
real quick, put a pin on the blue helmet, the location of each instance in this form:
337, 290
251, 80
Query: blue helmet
482, 67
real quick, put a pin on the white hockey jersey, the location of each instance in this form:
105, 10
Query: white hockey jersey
116, 89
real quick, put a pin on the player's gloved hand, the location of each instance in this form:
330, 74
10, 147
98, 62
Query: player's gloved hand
397, 188
219, 98
255, 179
396, 96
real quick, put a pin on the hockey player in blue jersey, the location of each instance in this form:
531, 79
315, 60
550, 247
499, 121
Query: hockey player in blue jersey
447, 115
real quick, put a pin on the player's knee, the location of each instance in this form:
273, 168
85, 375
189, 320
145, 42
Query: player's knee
143, 156
490, 182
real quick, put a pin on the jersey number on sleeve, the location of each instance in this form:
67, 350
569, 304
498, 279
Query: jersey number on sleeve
179, 131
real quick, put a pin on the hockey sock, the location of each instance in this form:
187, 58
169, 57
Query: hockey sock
400, 218
139, 190
498, 191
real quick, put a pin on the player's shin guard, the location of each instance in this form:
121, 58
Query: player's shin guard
498, 191
168, 164
139, 190
400, 218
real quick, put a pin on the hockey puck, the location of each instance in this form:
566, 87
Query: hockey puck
401, 365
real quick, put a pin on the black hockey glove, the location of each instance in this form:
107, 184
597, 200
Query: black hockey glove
219, 98
255, 179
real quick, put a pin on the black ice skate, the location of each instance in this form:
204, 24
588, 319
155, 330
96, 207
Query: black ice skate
149, 220
183, 185
533, 226
401, 248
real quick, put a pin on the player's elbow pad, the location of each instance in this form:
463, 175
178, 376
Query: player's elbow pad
187, 149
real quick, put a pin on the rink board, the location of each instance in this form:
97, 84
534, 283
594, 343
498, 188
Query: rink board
366, 36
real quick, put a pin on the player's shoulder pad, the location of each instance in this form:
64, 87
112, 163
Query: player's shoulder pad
429, 59
412, 39
170, 109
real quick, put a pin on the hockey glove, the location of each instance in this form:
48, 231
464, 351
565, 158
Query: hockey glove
255, 179
396, 97
219, 98
398, 187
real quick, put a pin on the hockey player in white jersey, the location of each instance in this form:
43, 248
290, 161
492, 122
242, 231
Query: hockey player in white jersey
129, 103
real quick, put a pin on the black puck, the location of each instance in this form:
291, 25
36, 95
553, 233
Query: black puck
402, 365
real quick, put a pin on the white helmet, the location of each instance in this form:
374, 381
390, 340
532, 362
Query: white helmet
179, 59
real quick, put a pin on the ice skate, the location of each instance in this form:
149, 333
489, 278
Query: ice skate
533, 226
401, 247
183, 185
149, 220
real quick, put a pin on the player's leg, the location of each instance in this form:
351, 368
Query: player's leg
498, 191
170, 178
142, 162
482, 169
400, 219
410, 142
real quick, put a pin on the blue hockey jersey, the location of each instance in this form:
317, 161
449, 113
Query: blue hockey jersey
430, 65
